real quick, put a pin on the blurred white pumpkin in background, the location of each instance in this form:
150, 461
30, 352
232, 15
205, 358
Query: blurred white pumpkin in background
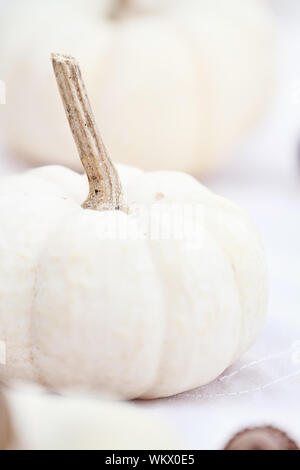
50, 422
174, 84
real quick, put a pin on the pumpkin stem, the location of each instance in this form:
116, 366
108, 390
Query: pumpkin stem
7, 433
105, 191
120, 7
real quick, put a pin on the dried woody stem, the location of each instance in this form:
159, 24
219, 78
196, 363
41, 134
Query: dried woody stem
119, 8
105, 192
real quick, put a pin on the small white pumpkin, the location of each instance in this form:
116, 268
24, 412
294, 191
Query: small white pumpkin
138, 316
175, 84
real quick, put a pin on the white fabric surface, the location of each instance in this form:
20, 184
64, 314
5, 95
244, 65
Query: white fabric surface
264, 386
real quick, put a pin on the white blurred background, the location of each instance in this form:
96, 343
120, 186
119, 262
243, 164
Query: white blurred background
264, 178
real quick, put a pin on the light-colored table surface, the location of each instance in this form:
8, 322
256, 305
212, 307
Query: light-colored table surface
264, 386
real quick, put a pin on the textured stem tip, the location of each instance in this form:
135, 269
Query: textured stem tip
119, 8
105, 191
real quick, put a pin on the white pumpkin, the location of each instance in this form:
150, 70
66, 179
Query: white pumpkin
7, 435
81, 422
140, 304
175, 84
